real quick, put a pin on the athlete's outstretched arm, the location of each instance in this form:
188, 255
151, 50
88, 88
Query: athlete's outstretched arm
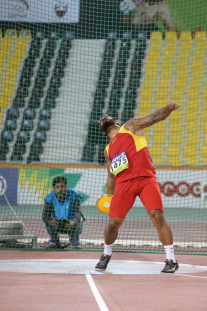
139, 123
111, 177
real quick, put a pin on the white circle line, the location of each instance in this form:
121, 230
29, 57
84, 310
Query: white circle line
191, 276
97, 295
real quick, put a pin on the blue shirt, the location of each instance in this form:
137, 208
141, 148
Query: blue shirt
64, 208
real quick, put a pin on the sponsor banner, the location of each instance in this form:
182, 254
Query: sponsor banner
29, 186
8, 185
40, 11
35, 183
179, 188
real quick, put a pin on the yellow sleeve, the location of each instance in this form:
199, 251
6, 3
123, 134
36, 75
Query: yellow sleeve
107, 149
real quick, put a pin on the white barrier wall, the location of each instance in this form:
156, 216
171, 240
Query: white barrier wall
29, 186
179, 188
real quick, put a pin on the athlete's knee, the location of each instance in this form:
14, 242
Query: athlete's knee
157, 216
115, 222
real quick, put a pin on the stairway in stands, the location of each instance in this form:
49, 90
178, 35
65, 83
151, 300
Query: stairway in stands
70, 121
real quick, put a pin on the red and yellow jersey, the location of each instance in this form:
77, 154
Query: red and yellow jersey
130, 156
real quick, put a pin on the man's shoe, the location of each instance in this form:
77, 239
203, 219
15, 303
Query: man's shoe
170, 266
103, 262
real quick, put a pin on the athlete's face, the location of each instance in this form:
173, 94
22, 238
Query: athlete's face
60, 190
105, 122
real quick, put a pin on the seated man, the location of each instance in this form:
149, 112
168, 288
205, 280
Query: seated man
62, 214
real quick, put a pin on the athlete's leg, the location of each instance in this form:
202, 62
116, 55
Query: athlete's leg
111, 231
151, 198
123, 199
164, 232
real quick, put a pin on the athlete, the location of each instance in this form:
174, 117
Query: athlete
131, 173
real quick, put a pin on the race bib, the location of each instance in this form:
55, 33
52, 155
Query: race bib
119, 163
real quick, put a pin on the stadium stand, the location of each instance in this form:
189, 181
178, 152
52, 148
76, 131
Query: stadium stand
129, 76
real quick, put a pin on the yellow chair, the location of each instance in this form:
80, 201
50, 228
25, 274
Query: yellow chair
11, 33
176, 139
164, 83
193, 95
156, 153
175, 127
204, 94
177, 93
173, 154
200, 35
193, 140
204, 116
5, 48
24, 33
174, 161
4, 101
151, 65
173, 151
161, 93
203, 152
143, 111
160, 126
191, 161
145, 96
171, 36
146, 133
185, 36
204, 106
204, 128
191, 116
191, 126
159, 138
197, 65
180, 83
175, 116
156, 36
190, 150
165, 74
169, 54
193, 105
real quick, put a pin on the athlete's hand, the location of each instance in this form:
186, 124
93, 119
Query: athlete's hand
173, 106
53, 223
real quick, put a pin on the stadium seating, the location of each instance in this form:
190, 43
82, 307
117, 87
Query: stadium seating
44, 76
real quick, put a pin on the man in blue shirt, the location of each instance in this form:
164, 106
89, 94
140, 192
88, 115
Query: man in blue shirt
62, 214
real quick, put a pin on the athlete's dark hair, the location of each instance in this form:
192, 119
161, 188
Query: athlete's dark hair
59, 179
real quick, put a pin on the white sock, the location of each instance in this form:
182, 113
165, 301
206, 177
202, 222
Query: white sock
108, 249
169, 250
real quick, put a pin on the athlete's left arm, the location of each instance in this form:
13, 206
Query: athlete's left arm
136, 125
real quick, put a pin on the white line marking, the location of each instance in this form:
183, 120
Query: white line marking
99, 299
192, 276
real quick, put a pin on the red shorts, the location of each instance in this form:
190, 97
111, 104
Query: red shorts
148, 190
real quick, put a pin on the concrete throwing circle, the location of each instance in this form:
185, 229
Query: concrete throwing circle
87, 266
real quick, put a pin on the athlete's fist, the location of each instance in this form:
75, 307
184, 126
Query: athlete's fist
173, 106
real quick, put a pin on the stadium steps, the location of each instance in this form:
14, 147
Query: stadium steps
46, 77
70, 119
101, 96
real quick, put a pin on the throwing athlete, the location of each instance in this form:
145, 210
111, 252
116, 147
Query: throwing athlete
131, 173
